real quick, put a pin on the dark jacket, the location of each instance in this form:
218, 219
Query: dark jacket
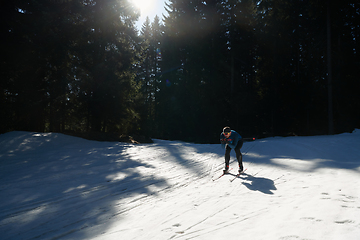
232, 141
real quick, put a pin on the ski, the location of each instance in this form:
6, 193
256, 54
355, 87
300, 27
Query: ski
237, 175
214, 179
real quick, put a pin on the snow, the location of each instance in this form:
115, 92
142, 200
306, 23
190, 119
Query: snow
54, 186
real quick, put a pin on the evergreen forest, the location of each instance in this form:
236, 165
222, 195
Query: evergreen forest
262, 67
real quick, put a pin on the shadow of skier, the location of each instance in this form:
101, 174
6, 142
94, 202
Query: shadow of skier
260, 184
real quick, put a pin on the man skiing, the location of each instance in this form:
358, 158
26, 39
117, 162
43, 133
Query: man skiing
231, 140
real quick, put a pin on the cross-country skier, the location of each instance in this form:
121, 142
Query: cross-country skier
231, 140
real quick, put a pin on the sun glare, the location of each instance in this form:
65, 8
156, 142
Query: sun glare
145, 6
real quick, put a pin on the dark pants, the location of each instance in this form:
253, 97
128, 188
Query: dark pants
238, 155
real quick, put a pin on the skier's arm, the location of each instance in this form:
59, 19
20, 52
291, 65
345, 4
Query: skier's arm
222, 141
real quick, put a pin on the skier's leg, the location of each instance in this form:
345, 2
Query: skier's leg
227, 157
239, 155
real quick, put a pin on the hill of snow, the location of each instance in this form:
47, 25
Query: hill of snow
54, 186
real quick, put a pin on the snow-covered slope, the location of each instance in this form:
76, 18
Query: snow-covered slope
54, 186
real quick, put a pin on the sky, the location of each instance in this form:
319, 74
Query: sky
149, 8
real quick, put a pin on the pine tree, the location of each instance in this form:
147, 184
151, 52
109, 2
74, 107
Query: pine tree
150, 70
73, 67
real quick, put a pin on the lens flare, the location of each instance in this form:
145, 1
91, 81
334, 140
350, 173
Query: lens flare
168, 83
158, 54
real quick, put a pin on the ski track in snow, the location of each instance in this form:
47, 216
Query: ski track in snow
54, 186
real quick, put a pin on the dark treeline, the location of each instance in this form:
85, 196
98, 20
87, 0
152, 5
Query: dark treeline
271, 67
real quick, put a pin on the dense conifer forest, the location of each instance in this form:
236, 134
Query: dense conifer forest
263, 67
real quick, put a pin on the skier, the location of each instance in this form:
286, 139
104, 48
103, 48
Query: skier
231, 140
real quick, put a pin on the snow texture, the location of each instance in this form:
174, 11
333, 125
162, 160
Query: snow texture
54, 186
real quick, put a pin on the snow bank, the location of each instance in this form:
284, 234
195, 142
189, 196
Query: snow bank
54, 186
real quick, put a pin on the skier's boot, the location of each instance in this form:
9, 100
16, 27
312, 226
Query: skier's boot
226, 170
241, 169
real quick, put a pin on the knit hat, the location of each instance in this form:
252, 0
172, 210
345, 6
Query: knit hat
226, 129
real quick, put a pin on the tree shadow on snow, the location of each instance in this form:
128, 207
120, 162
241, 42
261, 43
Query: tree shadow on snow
53, 185
306, 154
187, 155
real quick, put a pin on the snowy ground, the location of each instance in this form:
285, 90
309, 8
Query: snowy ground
54, 186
